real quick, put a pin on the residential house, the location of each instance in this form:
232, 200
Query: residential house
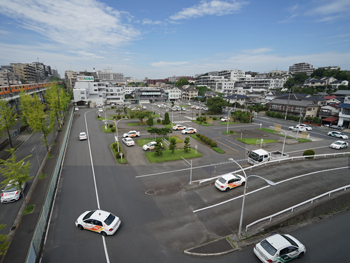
344, 114
241, 99
189, 93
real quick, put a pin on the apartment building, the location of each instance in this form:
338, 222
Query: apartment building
301, 68
108, 75
173, 93
26, 72
70, 77
189, 93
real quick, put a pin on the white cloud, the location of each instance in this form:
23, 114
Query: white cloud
86, 54
215, 7
72, 23
150, 22
162, 64
257, 50
331, 10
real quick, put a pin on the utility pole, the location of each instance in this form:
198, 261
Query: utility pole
285, 117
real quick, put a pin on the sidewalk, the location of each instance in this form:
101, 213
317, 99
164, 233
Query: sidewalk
22, 235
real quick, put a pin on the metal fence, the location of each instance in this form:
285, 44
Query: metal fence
39, 234
291, 209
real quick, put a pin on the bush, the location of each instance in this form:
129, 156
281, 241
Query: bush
198, 134
231, 131
214, 118
198, 119
110, 125
196, 114
59, 129
213, 144
158, 121
113, 129
309, 153
163, 121
202, 137
115, 145
208, 141
119, 117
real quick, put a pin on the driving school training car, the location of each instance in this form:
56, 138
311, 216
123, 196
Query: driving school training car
128, 141
189, 130
132, 134
150, 146
279, 248
178, 127
229, 181
12, 192
338, 135
98, 221
339, 145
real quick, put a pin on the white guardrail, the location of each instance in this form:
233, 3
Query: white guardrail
296, 206
277, 161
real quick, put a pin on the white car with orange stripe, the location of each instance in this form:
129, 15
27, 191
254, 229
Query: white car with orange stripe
189, 130
98, 221
131, 134
229, 181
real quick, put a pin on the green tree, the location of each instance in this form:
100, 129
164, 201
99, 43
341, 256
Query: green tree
53, 100
158, 147
37, 118
300, 78
159, 131
172, 145
166, 118
4, 243
202, 89
143, 114
14, 171
216, 104
7, 119
187, 145
289, 83
181, 82
150, 122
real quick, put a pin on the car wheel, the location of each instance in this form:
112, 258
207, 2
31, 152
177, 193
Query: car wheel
227, 189
243, 184
81, 227
104, 234
301, 255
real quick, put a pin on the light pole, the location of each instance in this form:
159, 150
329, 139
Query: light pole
228, 118
116, 123
284, 142
245, 190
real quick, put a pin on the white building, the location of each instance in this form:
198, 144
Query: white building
108, 75
85, 90
173, 93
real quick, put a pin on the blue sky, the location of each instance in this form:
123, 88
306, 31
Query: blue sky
162, 38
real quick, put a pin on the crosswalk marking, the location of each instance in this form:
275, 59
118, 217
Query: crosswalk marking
181, 121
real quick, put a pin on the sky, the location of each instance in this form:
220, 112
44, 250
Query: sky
164, 38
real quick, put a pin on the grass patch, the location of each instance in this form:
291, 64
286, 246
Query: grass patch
231, 122
304, 140
108, 130
29, 209
169, 126
42, 176
250, 141
202, 123
169, 156
230, 133
49, 156
217, 149
142, 142
102, 119
114, 153
134, 124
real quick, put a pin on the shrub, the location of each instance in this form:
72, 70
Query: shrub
59, 129
198, 134
115, 145
113, 129
202, 137
163, 121
119, 117
213, 144
231, 131
110, 125
158, 121
309, 153
208, 141
198, 119
214, 118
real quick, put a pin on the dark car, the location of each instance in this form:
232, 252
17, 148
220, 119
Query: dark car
336, 127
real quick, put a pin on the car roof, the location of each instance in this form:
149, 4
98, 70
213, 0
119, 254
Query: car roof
127, 139
339, 141
278, 241
230, 176
100, 215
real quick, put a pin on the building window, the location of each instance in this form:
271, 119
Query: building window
82, 92
83, 98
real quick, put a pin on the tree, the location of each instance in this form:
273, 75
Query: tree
181, 82
187, 145
158, 147
150, 122
300, 78
172, 145
143, 114
289, 83
166, 118
37, 118
14, 171
159, 131
216, 104
7, 119
54, 101
4, 243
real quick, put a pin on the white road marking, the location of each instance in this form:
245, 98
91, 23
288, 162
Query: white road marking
308, 148
257, 190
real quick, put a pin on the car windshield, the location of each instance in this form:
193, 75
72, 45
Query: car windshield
11, 188
337, 143
222, 180
290, 240
254, 156
88, 215
268, 247
109, 219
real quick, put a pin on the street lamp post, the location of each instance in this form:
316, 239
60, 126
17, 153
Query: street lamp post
245, 190
116, 123
228, 119
284, 141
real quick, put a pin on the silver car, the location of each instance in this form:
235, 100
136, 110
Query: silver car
12, 192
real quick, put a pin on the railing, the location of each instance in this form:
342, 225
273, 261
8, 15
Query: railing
296, 206
37, 241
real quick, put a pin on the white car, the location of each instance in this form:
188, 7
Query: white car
12, 192
76, 108
189, 130
229, 181
307, 127
100, 110
224, 119
339, 145
98, 221
178, 127
132, 134
279, 248
150, 146
128, 141
82, 136
338, 135
298, 129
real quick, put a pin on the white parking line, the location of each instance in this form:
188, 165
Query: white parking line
257, 190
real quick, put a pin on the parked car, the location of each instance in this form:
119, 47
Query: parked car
338, 135
229, 181
132, 134
298, 129
12, 192
144, 107
178, 127
279, 248
82, 136
98, 221
128, 141
189, 130
336, 127
307, 127
224, 119
100, 110
150, 146
339, 145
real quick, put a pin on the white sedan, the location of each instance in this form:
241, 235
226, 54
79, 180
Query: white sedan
229, 181
339, 145
150, 146
82, 136
189, 130
12, 192
128, 141
224, 119
132, 134
178, 127
338, 135
297, 129
98, 221
307, 127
